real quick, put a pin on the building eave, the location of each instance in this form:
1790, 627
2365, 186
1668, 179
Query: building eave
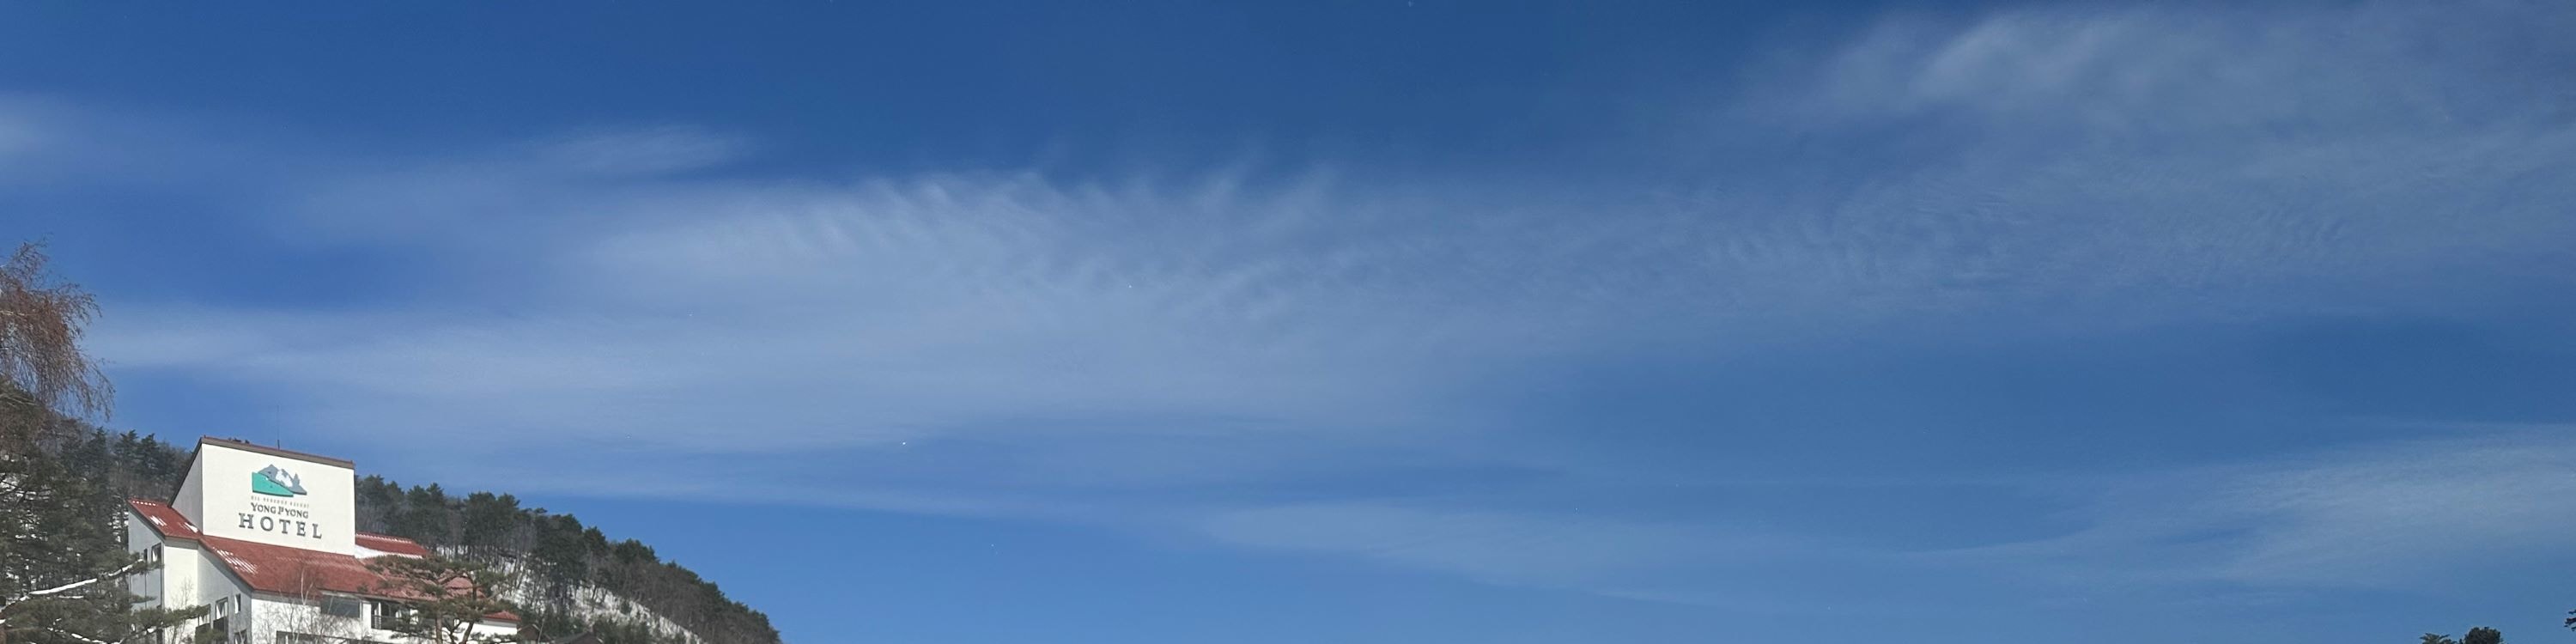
276, 451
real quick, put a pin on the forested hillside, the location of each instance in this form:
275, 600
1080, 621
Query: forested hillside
556, 553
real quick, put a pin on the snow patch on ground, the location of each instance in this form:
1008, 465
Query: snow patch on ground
586, 602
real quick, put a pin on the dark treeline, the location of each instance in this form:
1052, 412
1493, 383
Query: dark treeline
555, 552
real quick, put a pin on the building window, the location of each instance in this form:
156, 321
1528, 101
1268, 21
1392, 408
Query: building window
343, 607
388, 614
214, 631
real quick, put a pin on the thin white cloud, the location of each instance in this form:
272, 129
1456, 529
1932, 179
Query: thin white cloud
2200, 72
2386, 516
984, 340
1515, 548
640, 152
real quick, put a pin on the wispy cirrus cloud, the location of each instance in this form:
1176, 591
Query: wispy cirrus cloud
1737, 567
2379, 516
993, 341
2203, 73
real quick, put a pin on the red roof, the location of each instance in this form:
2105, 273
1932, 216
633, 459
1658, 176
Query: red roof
287, 570
390, 544
164, 519
293, 571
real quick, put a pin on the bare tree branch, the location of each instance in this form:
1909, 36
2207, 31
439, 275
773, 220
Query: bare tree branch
120, 572
42, 318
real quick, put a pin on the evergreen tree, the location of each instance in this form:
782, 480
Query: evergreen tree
2483, 635
561, 561
490, 520
424, 517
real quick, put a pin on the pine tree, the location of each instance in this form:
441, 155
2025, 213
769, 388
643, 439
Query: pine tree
424, 517
490, 520
561, 560
2483, 635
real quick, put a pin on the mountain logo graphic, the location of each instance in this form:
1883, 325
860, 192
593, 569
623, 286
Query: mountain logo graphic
276, 482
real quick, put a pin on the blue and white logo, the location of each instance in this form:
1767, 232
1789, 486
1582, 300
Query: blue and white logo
276, 482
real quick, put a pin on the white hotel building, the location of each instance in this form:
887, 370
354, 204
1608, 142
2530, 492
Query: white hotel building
261, 536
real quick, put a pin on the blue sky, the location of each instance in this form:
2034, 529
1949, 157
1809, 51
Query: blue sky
1381, 321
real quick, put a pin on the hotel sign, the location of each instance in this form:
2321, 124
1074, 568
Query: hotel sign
285, 515
238, 490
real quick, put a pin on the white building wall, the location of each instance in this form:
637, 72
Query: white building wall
198, 575
152, 584
189, 503
276, 614
281, 615
202, 578
187, 577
